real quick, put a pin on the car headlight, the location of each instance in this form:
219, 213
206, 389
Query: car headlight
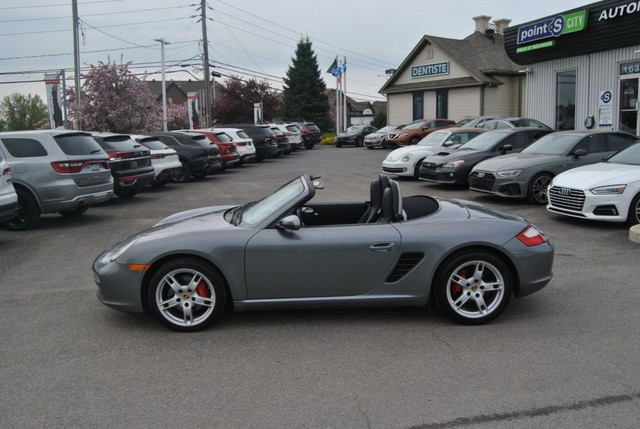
453, 164
407, 157
117, 250
509, 173
609, 190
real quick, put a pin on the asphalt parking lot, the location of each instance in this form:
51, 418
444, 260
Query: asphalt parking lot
566, 356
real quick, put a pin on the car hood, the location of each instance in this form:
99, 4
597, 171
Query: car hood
600, 174
451, 155
396, 154
346, 134
513, 161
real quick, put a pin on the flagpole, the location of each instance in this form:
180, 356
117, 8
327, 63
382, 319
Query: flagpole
344, 85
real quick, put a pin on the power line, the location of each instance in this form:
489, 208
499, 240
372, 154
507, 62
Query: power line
56, 5
123, 12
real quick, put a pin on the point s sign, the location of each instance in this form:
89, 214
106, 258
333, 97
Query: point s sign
554, 27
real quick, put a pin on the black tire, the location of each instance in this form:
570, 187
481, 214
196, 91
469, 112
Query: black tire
468, 300
338, 145
537, 189
633, 217
369, 147
28, 215
182, 174
414, 140
200, 297
308, 145
199, 175
416, 170
78, 211
384, 144
359, 141
159, 184
126, 193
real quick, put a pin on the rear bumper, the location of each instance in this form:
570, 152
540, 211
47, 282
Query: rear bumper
8, 211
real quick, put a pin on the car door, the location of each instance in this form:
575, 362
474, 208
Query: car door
596, 147
323, 261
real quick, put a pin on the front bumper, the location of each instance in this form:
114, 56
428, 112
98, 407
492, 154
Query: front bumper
607, 208
489, 183
118, 287
398, 168
447, 176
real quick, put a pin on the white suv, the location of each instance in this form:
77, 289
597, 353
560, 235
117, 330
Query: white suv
8, 196
244, 143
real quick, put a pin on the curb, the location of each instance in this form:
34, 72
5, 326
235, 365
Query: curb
634, 233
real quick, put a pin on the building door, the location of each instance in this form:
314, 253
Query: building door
629, 120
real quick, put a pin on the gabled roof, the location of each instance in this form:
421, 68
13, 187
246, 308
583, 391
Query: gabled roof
155, 86
482, 55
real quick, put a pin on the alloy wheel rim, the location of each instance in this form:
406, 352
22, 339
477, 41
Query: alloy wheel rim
475, 289
540, 189
185, 297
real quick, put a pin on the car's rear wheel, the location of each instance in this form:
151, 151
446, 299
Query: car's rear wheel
633, 217
537, 190
186, 295
182, 174
75, 212
126, 192
474, 287
359, 141
28, 212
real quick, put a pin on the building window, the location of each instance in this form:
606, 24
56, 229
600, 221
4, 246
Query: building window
429, 52
442, 103
418, 105
566, 100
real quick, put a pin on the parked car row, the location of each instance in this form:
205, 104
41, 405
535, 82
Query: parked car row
66, 172
587, 174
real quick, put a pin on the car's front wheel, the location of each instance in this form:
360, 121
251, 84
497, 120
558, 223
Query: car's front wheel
416, 170
359, 141
186, 295
474, 287
633, 217
537, 191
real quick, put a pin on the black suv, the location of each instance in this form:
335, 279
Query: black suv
311, 134
198, 155
263, 139
130, 163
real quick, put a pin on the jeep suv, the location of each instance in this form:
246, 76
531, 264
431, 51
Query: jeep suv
130, 163
311, 134
55, 171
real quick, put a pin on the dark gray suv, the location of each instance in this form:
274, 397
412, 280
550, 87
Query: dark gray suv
55, 171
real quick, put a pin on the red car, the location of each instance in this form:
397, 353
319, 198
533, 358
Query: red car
228, 150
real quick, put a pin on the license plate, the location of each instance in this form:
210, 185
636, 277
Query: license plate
94, 167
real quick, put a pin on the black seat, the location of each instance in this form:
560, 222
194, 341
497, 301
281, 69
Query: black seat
392, 204
372, 214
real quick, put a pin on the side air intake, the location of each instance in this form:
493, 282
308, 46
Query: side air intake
405, 264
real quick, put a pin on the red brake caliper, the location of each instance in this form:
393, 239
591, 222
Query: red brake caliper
202, 290
456, 289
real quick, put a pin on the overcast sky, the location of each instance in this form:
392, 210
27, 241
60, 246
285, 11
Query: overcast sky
246, 37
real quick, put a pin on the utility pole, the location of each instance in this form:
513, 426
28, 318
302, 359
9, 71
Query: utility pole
207, 88
76, 62
164, 85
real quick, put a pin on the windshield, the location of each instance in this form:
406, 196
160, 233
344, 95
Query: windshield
553, 144
630, 155
386, 129
254, 213
463, 122
484, 141
354, 129
414, 126
434, 139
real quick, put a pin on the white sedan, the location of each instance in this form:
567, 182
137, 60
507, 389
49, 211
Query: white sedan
607, 191
405, 161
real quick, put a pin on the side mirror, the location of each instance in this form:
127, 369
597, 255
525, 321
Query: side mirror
507, 148
580, 152
289, 223
447, 143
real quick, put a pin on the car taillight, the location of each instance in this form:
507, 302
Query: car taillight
305, 131
68, 166
158, 156
530, 236
117, 156
241, 143
288, 133
6, 171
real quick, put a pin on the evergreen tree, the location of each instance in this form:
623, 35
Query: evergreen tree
380, 120
23, 113
304, 96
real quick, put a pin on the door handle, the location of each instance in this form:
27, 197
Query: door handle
382, 247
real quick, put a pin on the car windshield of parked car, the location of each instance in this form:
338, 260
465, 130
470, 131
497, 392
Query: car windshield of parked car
553, 144
434, 139
484, 141
386, 129
354, 129
254, 213
630, 156
413, 126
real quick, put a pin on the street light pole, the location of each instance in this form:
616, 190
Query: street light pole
164, 86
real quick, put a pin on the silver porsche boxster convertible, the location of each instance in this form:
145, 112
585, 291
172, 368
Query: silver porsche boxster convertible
284, 251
